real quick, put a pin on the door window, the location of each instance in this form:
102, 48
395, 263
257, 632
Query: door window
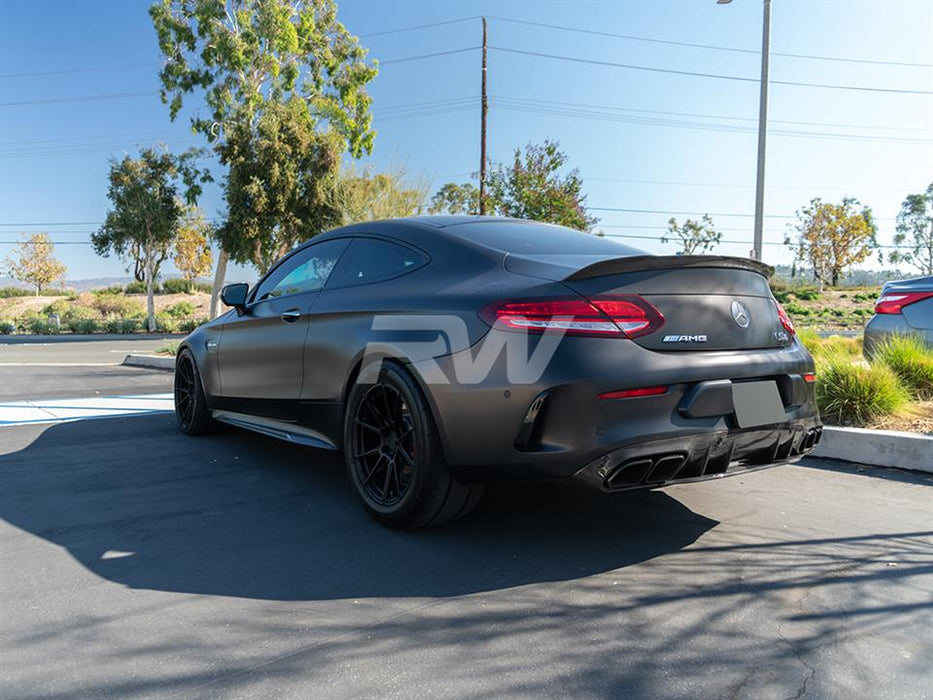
305, 271
371, 260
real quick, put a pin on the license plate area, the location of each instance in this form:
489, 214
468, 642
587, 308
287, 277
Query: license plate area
757, 403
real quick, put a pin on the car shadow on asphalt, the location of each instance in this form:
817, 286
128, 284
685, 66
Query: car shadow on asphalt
239, 514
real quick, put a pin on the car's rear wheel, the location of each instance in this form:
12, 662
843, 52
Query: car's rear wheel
191, 411
393, 453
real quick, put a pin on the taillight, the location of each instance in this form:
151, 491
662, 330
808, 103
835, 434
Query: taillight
894, 302
620, 316
785, 319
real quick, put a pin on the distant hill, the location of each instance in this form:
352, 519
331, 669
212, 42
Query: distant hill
85, 284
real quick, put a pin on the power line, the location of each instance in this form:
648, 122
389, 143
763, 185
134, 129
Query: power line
69, 71
429, 55
716, 76
84, 98
400, 30
611, 114
632, 37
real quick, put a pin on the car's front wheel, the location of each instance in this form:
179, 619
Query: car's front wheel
393, 453
191, 411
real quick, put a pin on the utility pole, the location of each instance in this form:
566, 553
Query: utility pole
762, 131
762, 128
484, 109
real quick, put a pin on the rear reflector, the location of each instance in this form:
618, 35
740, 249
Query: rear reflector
635, 393
809, 377
893, 303
620, 316
785, 319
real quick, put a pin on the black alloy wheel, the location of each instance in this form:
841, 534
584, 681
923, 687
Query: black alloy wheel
191, 411
393, 453
383, 445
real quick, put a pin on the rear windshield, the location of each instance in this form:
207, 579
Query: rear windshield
540, 239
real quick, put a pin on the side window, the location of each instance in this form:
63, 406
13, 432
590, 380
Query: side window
305, 271
371, 260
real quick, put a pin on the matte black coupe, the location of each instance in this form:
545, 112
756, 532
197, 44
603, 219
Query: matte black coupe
443, 353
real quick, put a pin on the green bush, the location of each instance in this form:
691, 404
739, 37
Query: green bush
850, 393
118, 305
181, 309
911, 360
807, 294
41, 326
83, 326
166, 323
112, 289
189, 325
9, 292
7, 327
122, 325
176, 285
203, 287
168, 349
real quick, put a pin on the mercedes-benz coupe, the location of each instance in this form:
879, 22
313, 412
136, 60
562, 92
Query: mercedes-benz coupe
444, 353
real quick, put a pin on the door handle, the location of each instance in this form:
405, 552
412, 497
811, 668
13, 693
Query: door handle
291, 315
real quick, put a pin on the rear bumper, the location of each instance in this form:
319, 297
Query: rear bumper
498, 430
711, 455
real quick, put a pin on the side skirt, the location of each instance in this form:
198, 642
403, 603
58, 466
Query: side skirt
274, 428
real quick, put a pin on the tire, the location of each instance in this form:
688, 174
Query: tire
191, 411
393, 453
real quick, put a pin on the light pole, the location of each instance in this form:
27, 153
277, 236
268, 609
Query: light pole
762, 127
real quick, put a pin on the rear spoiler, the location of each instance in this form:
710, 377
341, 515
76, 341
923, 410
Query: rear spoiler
639, 263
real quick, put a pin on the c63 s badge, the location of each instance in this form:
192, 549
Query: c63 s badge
684, 339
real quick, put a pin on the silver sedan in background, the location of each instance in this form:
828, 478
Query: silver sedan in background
904, 307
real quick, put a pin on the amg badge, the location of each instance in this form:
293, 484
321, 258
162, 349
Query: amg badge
684, 339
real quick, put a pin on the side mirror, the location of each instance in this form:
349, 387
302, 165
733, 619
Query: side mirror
235, 295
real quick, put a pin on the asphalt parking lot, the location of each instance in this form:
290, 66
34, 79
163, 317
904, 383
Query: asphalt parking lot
136, 562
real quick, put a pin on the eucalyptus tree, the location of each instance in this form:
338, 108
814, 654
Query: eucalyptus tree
284, 90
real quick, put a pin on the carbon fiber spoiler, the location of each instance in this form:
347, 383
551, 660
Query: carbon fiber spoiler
638, 263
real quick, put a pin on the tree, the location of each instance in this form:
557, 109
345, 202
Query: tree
269, 70
193, 256
365, 196
533, 188
35, 262
455, 199
833, 237
915, 231
147, 210
695, 237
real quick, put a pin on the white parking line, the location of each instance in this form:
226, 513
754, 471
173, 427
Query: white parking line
62, 410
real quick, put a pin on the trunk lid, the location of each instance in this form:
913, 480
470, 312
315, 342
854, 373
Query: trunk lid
708, 302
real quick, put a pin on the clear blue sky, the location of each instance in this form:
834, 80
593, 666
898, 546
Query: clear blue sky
631, 133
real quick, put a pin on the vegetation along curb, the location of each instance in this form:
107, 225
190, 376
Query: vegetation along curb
878, 448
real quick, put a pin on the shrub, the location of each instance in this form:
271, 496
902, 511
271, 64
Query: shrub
60, 306
166, 323
911, 360
118, 305
177, 285
7, 327
9, 292
190, 325
122, 325
41, 326
181, 309
168, 349
807, 294
112, 289
850, 393
83, 326
80, 313
203, 287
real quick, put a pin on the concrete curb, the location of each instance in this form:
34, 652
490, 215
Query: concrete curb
877, 448
150, 362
